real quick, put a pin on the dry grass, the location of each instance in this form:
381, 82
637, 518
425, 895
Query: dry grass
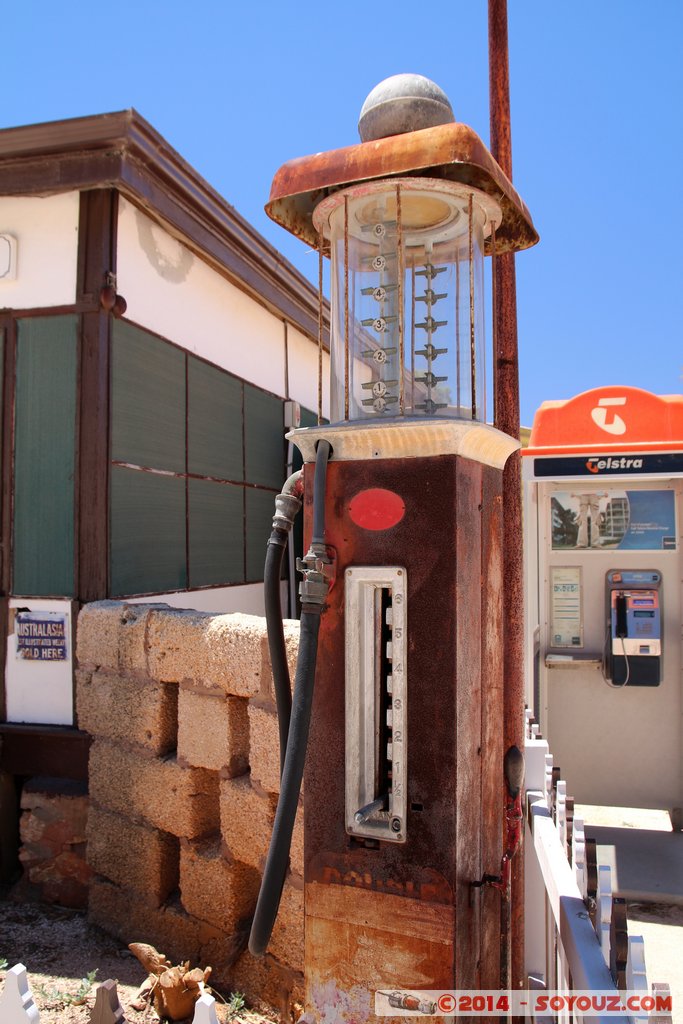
66, 958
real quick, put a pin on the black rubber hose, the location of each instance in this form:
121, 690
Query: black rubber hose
275, 552
281, 839
277, 860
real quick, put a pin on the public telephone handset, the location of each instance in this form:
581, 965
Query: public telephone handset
621, 627
633, 641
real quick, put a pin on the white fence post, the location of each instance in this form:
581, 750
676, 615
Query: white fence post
604, 909
205, 1010
16, 1001
579, 855
561, 812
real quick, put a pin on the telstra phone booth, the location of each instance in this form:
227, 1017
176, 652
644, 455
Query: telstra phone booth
410, 798
603, 486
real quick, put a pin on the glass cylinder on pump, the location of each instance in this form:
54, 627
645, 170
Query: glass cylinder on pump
407, 287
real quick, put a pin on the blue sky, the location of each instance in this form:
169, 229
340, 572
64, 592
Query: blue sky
596, 87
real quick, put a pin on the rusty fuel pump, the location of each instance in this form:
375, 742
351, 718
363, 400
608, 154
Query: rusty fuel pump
410, 802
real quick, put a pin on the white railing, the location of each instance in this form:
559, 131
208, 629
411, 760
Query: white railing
576, 935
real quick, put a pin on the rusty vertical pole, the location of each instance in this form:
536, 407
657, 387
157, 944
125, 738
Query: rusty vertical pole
506, 404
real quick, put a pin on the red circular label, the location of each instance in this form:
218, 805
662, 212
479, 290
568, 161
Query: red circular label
376, 509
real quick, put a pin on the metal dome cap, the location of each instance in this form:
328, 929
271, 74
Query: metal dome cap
403, 103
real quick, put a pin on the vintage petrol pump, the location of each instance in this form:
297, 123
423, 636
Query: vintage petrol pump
405, 787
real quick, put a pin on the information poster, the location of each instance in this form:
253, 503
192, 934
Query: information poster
566, 612
613, 520
41, 636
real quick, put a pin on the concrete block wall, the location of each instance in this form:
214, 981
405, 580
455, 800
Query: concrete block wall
183, 781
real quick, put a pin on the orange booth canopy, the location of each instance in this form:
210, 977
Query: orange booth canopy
609, 419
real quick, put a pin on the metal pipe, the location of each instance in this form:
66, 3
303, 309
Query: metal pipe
320, 327
401, 304
507, 420
473, 340
346, 307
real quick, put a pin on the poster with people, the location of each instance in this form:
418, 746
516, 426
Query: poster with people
613, 519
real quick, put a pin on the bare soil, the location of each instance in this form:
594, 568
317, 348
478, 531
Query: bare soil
60, 951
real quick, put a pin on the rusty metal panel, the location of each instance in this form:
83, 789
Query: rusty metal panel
468, 686
449, 151
449, 542
491, 732
358, 942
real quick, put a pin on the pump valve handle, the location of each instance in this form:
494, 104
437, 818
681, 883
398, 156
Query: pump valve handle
368, 810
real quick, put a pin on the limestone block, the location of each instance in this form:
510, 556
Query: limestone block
176, 645
214, 889
213, 732
113, 635
287, 941
222, 953
247, 814
129, 709
131, 918
134, 623
97, 634
222, 651
135, 856
269, 984
175, 799
264, 746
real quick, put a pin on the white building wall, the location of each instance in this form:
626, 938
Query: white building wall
247, 598
172, 292
46, 233
303, 372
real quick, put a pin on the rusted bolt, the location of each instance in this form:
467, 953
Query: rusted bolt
395, 824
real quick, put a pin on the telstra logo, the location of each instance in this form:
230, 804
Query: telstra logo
596, 465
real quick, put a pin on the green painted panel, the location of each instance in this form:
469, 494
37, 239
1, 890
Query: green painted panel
216, 533
148, 400
308, 417
44, 456
264, 445
147, 534
214, 422
260, 507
